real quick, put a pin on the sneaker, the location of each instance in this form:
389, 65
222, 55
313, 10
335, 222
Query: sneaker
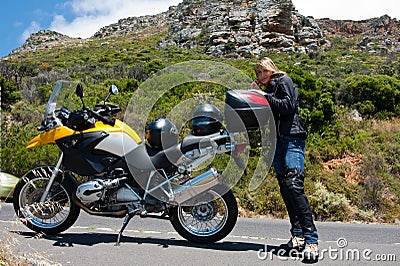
296, 242
310, 252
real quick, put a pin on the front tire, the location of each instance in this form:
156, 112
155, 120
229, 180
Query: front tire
206, 222
52, 216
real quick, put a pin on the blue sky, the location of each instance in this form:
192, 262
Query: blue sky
82, 18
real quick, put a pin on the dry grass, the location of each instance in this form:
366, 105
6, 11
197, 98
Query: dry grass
391, 126
6, 255
10, 257
351, 164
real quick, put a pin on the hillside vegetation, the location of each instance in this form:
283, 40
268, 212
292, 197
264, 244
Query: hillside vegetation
349, 102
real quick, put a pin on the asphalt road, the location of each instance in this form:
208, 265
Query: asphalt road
154, 242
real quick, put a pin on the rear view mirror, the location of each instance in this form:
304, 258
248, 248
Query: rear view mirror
114, 89
79, 93
79, 90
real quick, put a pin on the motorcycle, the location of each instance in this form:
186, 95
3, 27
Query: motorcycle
106, 169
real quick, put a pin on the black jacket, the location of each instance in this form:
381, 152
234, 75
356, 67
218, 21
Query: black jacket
282, 96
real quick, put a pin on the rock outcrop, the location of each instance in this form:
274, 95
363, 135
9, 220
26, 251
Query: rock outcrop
376, 34
46, 39
234, 28
135, 25
229, 27
243, 27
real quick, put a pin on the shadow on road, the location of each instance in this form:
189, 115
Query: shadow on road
91, 239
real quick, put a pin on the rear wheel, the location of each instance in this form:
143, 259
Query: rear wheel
207, 221
52, 216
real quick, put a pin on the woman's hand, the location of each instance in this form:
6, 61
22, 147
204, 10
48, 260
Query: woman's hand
255, 85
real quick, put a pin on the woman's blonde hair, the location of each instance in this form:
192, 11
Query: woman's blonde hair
267, 64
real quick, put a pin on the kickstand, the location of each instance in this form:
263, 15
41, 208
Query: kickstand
128, 217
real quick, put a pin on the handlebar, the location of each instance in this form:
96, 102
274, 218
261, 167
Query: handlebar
105, 119
107, 109
41, 128
80, 119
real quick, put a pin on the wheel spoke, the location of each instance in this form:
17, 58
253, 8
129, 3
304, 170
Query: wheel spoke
206, 218
48, 214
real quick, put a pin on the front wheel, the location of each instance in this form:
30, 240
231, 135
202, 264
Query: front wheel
208, 221
56, 213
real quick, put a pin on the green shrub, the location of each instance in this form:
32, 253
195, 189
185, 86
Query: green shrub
374, 95
15, 157
328, 205
9, 93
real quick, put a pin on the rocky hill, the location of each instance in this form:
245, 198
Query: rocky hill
223, 27
237, 28
376, 34
46, 39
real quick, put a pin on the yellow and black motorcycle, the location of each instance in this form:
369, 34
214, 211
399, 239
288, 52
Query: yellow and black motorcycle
122, 175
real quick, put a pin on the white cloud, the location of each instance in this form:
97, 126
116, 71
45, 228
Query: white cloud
348, 9
33, 27
91, 15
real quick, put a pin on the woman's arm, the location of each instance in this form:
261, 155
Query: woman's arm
282, 101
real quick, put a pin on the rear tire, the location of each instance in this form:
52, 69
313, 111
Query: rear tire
57, 213
206, 222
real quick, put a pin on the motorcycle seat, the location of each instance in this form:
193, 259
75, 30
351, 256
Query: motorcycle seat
191, 142
163, 159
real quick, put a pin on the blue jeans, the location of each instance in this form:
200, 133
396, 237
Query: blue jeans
289, 167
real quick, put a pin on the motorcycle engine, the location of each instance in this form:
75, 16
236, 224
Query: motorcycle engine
91, 191
97, 190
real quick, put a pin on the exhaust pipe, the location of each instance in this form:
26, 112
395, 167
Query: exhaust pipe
195, 186
118, 214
